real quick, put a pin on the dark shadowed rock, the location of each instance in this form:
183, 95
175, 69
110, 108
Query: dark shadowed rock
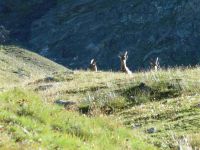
151, 130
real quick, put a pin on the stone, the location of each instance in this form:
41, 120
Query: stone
135, 126
65, 102
151, 130
43, 87
50, 79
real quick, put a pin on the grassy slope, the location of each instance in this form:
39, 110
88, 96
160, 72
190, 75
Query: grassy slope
20, 66
174, 114
171, 109
29, 119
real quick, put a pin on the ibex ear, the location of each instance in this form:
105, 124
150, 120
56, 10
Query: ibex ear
126, 55
157, 59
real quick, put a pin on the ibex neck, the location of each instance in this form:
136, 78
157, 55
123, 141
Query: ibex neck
123, 65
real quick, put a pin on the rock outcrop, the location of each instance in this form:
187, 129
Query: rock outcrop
72, 32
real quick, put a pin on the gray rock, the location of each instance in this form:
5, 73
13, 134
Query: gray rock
25, 131
43, 87
135, 126
50, 79
65, 102
151, 130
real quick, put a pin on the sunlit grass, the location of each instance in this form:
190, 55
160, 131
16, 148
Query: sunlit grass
28, 121
30, 118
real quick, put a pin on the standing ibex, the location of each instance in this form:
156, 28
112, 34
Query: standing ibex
155, 65
93, 65
123, 59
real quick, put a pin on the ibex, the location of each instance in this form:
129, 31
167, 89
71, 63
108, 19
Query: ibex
123, 59
155, 65
93, 65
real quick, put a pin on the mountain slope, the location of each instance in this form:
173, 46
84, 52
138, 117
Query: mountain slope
73, 32
77, 31
20, 65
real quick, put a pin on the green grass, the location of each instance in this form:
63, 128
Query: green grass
21, 66
168, 102
119, 108
29, 119
29, 122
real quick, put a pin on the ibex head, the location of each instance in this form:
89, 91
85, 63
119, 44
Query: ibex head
155, 64
123, 56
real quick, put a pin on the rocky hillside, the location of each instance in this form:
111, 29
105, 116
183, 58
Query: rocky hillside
74, 31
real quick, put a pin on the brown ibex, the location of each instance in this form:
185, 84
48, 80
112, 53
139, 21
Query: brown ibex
123, 59
93, 65
155, 65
